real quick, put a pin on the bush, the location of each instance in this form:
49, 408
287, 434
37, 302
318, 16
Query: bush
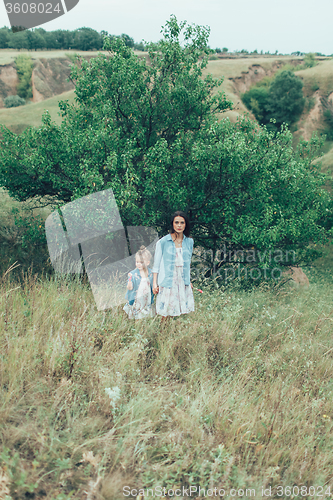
327, 111
255, 100
24, 65
309, 60
13, 101
281, 99
285, 99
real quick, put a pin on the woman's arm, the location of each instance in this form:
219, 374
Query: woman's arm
155, 286
156, 267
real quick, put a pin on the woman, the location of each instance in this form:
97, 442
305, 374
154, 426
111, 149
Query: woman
171, 271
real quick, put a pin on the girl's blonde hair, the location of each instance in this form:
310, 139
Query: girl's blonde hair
144, 255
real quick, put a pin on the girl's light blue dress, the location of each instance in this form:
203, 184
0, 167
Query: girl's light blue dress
142, 307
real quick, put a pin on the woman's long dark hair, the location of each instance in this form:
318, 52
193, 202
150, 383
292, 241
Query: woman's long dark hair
179, 213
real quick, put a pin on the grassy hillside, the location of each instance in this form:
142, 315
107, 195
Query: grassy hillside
7, 56
231, 69
17, 119
238, 394
320, 77
243, 72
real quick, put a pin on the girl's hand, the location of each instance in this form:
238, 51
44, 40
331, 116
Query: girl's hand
129, 284
192, 286
155, 289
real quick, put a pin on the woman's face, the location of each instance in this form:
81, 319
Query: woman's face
179, 224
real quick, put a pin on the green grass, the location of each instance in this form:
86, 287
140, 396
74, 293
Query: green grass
320, 77
236, 395
7, 56
17, 119
235, 68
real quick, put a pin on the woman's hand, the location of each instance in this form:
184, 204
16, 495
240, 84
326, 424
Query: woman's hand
155, 286
192, 286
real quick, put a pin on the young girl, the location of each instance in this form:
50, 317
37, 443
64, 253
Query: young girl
171, 269
139, 287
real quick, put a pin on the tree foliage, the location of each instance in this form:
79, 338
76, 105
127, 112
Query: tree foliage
39, 38
285, 98
282, 100
149, 131
12, 101
24, 66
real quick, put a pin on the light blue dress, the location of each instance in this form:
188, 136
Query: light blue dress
179, 298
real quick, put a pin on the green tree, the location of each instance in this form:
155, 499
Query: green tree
12, 101
18, 40
327, 112
149, 132
129, 42
24, 66
310, 60
4, 37
285, 100
255, 100
87, 39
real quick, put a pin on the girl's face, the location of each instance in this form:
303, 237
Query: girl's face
179, 224
139, 263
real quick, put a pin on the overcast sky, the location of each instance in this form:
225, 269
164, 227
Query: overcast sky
268, 25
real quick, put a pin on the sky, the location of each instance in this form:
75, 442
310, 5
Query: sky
269, 25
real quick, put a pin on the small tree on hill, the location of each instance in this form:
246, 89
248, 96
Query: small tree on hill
285, 100
13, 101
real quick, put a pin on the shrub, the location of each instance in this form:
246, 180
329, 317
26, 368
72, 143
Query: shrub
327, 111
309, 60
255, 100
13, 101
24, 65
285, 100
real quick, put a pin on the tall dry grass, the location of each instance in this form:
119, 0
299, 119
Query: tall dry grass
236, 395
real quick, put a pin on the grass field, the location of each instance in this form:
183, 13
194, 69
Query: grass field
236, 395
320, 77
30, 115
8, 56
